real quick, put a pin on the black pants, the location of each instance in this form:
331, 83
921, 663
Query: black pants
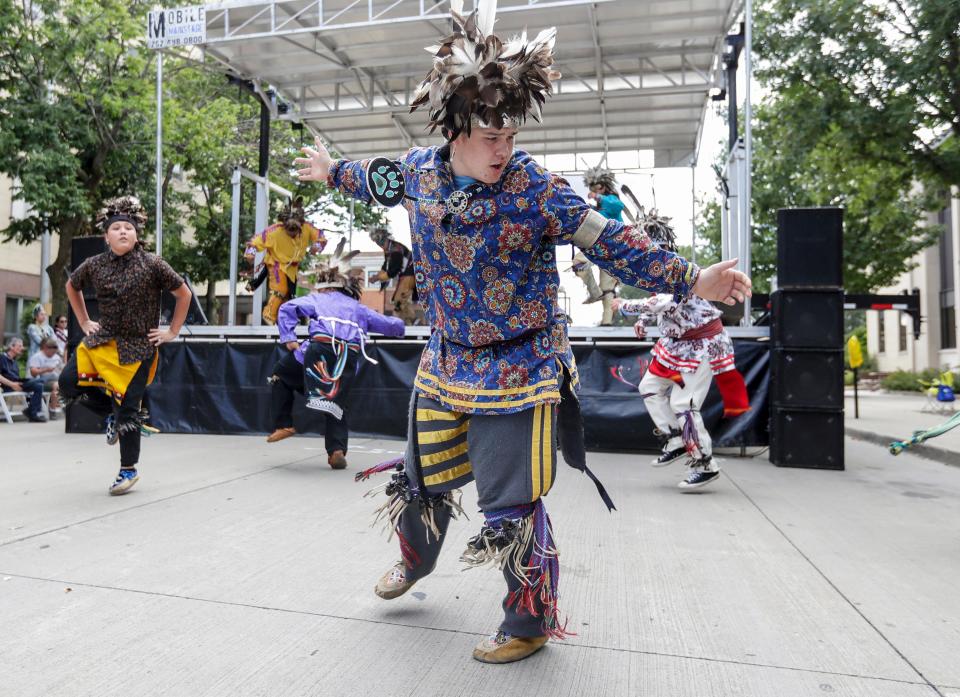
288, 379
103, 405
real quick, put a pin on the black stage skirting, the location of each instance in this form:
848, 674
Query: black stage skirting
221, 387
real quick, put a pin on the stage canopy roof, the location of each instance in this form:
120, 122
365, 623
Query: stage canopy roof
636, 73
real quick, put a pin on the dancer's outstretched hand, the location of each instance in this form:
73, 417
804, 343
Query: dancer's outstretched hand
316, 165
724, 283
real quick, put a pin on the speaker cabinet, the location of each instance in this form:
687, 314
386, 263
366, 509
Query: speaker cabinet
812, 439
74, 332
82, 248
195, 313
807, 318
810, 248
806, 378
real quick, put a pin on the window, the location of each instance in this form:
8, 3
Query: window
948, 327
902, 333
11, 316
881, 332
948, 314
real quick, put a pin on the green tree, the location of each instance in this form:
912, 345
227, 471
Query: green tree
863, 106
885, 73
74, 95
803, 160
77, 125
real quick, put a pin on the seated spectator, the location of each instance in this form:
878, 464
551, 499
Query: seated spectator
45, 365
11, 381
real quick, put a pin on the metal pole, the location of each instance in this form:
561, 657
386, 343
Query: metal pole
693, 212
748, 156
263, 201
856, 396
234, 243
159, 205
350, 237
45, 262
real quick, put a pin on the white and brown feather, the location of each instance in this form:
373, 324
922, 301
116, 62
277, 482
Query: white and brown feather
477, 78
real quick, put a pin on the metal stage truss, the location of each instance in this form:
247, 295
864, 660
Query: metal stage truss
636, 74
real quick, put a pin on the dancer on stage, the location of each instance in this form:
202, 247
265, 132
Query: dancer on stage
325, 365
485, 221
603, 191
398, 264
284, 244
693, 349
110, 371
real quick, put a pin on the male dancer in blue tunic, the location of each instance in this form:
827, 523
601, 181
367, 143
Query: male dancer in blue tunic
485, 221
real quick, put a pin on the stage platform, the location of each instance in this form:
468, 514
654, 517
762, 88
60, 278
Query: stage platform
578, 334
213, 380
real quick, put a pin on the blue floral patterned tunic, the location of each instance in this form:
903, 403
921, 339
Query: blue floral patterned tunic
488, 276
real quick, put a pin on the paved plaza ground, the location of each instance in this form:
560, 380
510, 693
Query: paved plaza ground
241, 568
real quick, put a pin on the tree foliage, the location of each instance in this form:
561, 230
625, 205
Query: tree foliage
863, 112
78, 125
74, 92
886, 73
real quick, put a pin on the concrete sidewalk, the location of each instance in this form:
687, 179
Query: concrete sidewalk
890, 416
241, 568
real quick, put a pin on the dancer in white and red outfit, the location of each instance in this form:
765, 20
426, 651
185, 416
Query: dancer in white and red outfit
693, 349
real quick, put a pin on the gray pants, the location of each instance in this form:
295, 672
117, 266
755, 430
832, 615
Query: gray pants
512, 457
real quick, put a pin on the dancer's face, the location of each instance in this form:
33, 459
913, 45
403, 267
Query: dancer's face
292, 226
121, 237
483, 154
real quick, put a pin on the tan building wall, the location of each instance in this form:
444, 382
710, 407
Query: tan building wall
893, 344
19, 266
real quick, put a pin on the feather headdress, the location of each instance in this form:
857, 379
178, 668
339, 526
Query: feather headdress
479, 80
600, 175
293, 210
335, 273
126, 208
380, 236
658, 229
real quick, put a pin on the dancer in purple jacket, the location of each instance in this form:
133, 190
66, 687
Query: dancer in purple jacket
324, 366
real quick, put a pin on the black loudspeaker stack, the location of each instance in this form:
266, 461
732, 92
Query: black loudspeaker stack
806, 375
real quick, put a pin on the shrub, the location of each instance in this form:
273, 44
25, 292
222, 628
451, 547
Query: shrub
902, 381
907, 381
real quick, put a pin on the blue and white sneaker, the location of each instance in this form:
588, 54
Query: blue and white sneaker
110, 424
668, 457
124, 481
701, 473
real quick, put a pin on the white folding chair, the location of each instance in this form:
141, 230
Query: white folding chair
8, 402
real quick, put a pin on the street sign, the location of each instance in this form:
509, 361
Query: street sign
184, 26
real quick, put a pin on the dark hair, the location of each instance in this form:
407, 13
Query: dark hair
59, 317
